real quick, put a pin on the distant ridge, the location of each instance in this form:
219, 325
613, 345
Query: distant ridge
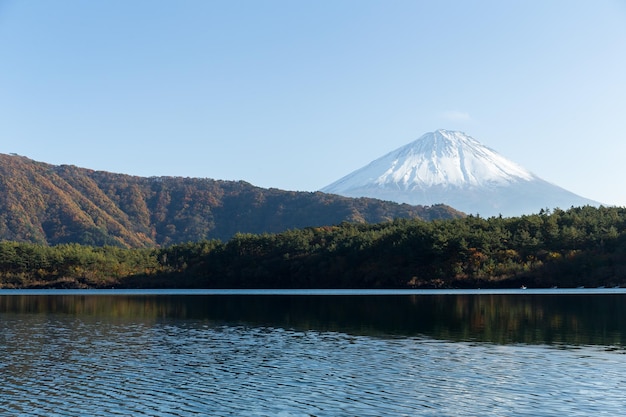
452, 168
48, 204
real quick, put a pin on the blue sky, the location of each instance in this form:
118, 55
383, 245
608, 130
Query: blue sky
296, 94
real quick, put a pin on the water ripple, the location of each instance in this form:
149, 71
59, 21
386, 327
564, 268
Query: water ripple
67, 366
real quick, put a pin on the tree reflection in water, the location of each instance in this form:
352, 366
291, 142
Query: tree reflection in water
567, 319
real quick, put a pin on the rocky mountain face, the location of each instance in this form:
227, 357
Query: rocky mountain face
452, 168
48, 204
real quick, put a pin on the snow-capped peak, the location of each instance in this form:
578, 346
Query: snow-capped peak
443, 158
455, 169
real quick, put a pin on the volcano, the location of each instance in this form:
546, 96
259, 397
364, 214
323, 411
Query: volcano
452, 168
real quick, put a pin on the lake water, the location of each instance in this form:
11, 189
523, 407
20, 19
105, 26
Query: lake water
304, 353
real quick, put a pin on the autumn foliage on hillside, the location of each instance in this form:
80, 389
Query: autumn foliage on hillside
47, 204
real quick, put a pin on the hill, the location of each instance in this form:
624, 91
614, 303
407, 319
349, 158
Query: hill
49, 204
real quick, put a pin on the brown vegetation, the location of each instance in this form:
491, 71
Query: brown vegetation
50, 205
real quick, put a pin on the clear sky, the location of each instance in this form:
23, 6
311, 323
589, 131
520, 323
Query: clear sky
296, 94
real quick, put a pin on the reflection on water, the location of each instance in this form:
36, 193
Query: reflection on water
76, 355
574, 319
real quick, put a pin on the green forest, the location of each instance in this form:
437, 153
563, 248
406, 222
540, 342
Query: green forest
581, 246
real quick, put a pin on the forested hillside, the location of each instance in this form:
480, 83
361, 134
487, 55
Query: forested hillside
47, 204
583, 246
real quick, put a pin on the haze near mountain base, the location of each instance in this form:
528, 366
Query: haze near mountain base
455, 169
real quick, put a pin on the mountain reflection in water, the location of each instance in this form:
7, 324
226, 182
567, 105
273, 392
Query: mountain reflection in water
567, 319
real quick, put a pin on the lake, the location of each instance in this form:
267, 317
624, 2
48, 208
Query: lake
313, 353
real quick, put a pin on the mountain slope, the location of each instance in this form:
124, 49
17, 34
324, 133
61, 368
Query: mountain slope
452, 168
50, 204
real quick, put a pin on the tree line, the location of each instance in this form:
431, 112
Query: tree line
581, 246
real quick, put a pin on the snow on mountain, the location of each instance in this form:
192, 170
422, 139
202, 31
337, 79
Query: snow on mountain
455, 169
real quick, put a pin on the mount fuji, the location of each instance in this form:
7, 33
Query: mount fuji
455, 169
